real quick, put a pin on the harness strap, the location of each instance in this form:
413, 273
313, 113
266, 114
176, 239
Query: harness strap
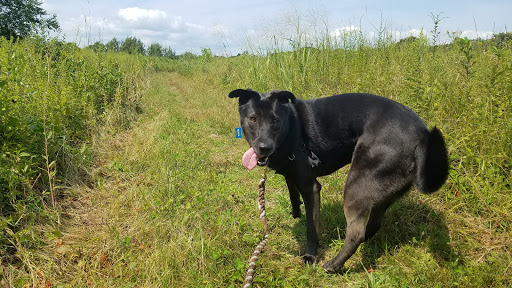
313, 160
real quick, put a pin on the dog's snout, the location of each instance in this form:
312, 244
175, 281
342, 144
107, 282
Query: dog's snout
264, 148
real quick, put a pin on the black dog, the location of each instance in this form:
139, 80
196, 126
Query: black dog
389, 147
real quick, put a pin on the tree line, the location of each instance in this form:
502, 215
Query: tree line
132, 45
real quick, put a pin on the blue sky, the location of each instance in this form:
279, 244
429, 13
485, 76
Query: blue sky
232, 26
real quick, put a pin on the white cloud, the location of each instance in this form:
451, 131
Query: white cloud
343, 31
414, 32
474, 34
137, 14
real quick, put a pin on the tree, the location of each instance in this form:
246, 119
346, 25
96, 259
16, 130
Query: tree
501, 39
18, 18
155, 50
188, 56
132, 45
408, 40
169, 53
113, 45
98, 47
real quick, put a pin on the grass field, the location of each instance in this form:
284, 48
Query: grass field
167, 203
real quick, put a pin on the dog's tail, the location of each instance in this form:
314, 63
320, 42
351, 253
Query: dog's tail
432, 163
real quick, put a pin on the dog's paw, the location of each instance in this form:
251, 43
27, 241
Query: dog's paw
296, 214
330, 268
309, 259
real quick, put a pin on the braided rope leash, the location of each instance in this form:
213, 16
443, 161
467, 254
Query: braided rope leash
263, 218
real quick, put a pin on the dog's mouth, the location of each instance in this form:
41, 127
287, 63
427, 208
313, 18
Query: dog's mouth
262, 161
251, 159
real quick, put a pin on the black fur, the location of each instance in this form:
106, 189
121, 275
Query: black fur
388, 145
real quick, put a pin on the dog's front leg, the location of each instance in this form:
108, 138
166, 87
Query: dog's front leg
311, 196
294, 197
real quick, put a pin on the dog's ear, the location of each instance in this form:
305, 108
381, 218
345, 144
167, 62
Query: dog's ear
243, 95
283, 96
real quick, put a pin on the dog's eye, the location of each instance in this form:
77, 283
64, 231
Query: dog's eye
252, 119
275, 120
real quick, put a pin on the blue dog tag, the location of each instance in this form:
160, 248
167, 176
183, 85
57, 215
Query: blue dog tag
238, 131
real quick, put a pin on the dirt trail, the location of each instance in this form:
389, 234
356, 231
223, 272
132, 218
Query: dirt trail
100, 213
102, 205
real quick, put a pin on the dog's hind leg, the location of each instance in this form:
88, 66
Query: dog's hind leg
294, 198
357, 213
374, 220
366, 200
364, 206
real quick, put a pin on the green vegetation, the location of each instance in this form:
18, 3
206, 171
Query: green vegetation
121, 170
53, 99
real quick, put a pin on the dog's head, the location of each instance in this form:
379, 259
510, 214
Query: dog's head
264, 119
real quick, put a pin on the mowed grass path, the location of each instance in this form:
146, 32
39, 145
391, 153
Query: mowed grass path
172, 206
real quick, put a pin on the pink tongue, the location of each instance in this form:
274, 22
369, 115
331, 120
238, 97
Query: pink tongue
250, 159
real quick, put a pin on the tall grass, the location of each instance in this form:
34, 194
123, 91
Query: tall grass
53, 98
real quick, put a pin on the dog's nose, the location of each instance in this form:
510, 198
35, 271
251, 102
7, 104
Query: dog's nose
264, 149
